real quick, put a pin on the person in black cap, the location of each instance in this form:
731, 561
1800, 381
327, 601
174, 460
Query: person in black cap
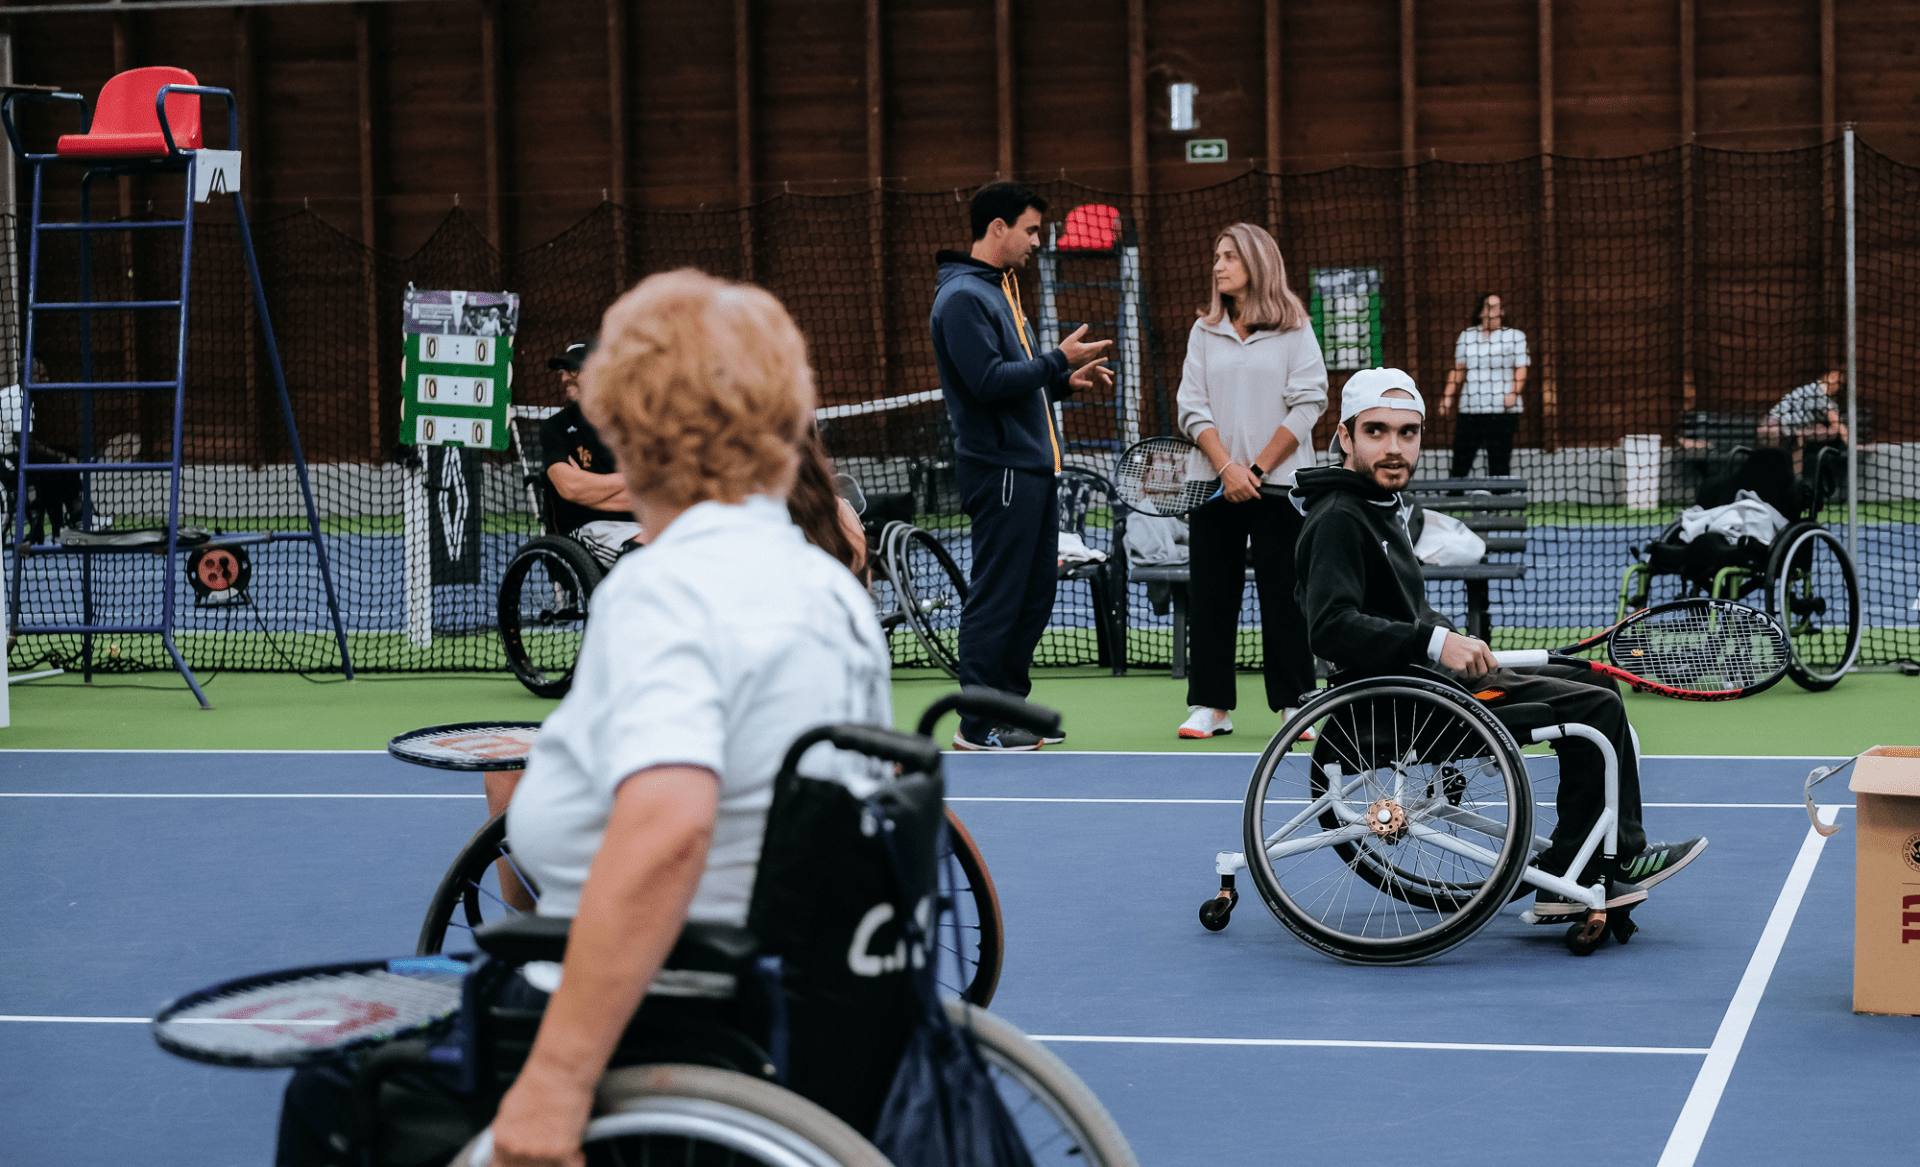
589, 499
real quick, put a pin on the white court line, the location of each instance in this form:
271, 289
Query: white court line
1339, 1044
1690, 1131
11, 794
1053, 753
46, 750
952, 798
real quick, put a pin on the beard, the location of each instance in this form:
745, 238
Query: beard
1389, 473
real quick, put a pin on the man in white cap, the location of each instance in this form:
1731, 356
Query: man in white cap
1367, 612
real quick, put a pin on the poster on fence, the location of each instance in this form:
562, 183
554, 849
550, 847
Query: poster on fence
456, 385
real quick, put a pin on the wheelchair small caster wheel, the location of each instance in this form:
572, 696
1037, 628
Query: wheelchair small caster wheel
1622, 926
1585, 937
1215, 912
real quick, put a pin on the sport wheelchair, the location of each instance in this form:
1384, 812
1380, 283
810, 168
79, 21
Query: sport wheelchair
771, 1044
1410, 824
1804, 577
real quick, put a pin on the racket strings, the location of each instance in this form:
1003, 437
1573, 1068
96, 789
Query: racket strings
1152, 476
471, 743
293, 1020
1723, 647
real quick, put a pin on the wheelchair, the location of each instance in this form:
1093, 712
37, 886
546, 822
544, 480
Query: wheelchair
469, 896
1804, 577
757, 1044
545, 591
1410, 824
912, 576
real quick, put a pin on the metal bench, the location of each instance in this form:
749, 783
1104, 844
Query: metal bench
1493, 508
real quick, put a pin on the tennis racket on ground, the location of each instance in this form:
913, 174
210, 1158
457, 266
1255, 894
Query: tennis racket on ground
299, 1016
472, 745
1690, 650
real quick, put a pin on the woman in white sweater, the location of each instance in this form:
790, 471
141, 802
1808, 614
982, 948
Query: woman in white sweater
1252, 387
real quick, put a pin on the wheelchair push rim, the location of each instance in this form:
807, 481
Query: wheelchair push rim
1813, 590
1403, 831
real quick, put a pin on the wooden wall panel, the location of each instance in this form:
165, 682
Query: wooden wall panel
1477, 70
1221, 47
556, 113
681, 77
1759, 73
1070, 87
941, 106
427, 71
1616, 77
306, 118
811, 118
1341, 83
1878, 82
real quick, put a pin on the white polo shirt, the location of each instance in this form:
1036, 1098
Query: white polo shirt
1489, 359
716, 646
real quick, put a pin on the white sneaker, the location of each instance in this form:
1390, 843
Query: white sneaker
1204, 722
1307, 734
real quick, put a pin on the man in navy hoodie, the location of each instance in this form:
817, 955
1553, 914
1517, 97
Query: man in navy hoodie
1000, 391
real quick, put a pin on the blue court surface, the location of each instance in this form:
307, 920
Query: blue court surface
1722, 1035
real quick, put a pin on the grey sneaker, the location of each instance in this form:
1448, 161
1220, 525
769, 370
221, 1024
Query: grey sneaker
1003, 739
1660, 860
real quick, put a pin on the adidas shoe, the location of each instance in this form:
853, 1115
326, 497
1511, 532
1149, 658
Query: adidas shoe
1660, 860
1549, 907
1204, 722
1005, 739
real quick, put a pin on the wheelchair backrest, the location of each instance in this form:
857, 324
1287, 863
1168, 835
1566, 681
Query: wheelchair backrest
838, 879
1768, 473
523, 427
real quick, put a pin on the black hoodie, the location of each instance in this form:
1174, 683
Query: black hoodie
1360, 586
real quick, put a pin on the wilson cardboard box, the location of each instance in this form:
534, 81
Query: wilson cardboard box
1886, 921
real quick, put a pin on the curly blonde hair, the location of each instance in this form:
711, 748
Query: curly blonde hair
701, 386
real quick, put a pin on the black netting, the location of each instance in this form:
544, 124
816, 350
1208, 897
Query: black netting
1669, 302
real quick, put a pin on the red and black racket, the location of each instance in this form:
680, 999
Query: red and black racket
471, 745
1690, 650
298, 1016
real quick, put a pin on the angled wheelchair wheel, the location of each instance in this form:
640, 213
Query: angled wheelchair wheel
970, 966
543, 611
932, 592
1060, 1120
1403, 832
696, 1115
1813, 590
469, 893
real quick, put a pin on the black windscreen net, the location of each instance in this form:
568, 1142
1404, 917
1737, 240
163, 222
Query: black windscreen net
1678, 310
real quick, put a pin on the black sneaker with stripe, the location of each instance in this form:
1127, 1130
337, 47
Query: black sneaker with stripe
1660, 860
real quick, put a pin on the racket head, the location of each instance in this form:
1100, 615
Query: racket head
1702, 646
469, 745
295, 1017
1151, 477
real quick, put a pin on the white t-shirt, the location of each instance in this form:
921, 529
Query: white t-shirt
716, 646
1489, 359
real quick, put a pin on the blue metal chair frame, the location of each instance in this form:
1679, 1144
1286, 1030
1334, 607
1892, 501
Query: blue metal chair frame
175, 161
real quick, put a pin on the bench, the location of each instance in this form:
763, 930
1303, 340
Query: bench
1493, 508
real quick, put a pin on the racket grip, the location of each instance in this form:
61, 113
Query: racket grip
1522, 658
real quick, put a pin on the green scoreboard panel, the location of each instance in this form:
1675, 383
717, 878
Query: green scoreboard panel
455, 390
1345, 306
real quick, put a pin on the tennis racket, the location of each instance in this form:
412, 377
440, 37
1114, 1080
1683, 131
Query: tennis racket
1690, 650
299, 1016
472, 745
1151, 477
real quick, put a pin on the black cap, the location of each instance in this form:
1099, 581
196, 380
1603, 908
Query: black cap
576, 355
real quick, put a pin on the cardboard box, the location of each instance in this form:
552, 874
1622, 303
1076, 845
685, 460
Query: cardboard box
1886, 915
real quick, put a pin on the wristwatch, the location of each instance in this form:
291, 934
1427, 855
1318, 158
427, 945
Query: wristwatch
1257, 472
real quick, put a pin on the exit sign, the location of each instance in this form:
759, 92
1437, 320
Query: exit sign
1206, 150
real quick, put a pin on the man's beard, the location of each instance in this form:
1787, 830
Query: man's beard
1379, 479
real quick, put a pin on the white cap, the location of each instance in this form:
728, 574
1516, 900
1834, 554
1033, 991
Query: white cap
1367, 389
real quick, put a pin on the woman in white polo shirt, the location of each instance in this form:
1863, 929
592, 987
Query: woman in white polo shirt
1252, 387
645, 799
1489, 371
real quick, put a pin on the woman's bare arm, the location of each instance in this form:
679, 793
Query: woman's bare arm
631, 911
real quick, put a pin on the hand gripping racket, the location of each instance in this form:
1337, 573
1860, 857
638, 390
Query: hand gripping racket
471, 745
1690, 650
299, 1016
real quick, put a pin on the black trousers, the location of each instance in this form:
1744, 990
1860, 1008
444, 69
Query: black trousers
1492, 432
1016, 566
1577, 695
1219, 535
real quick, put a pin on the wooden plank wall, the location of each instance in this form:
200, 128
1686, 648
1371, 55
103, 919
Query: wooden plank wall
529, 114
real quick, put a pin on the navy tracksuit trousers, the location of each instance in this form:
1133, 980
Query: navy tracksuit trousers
1016, 564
